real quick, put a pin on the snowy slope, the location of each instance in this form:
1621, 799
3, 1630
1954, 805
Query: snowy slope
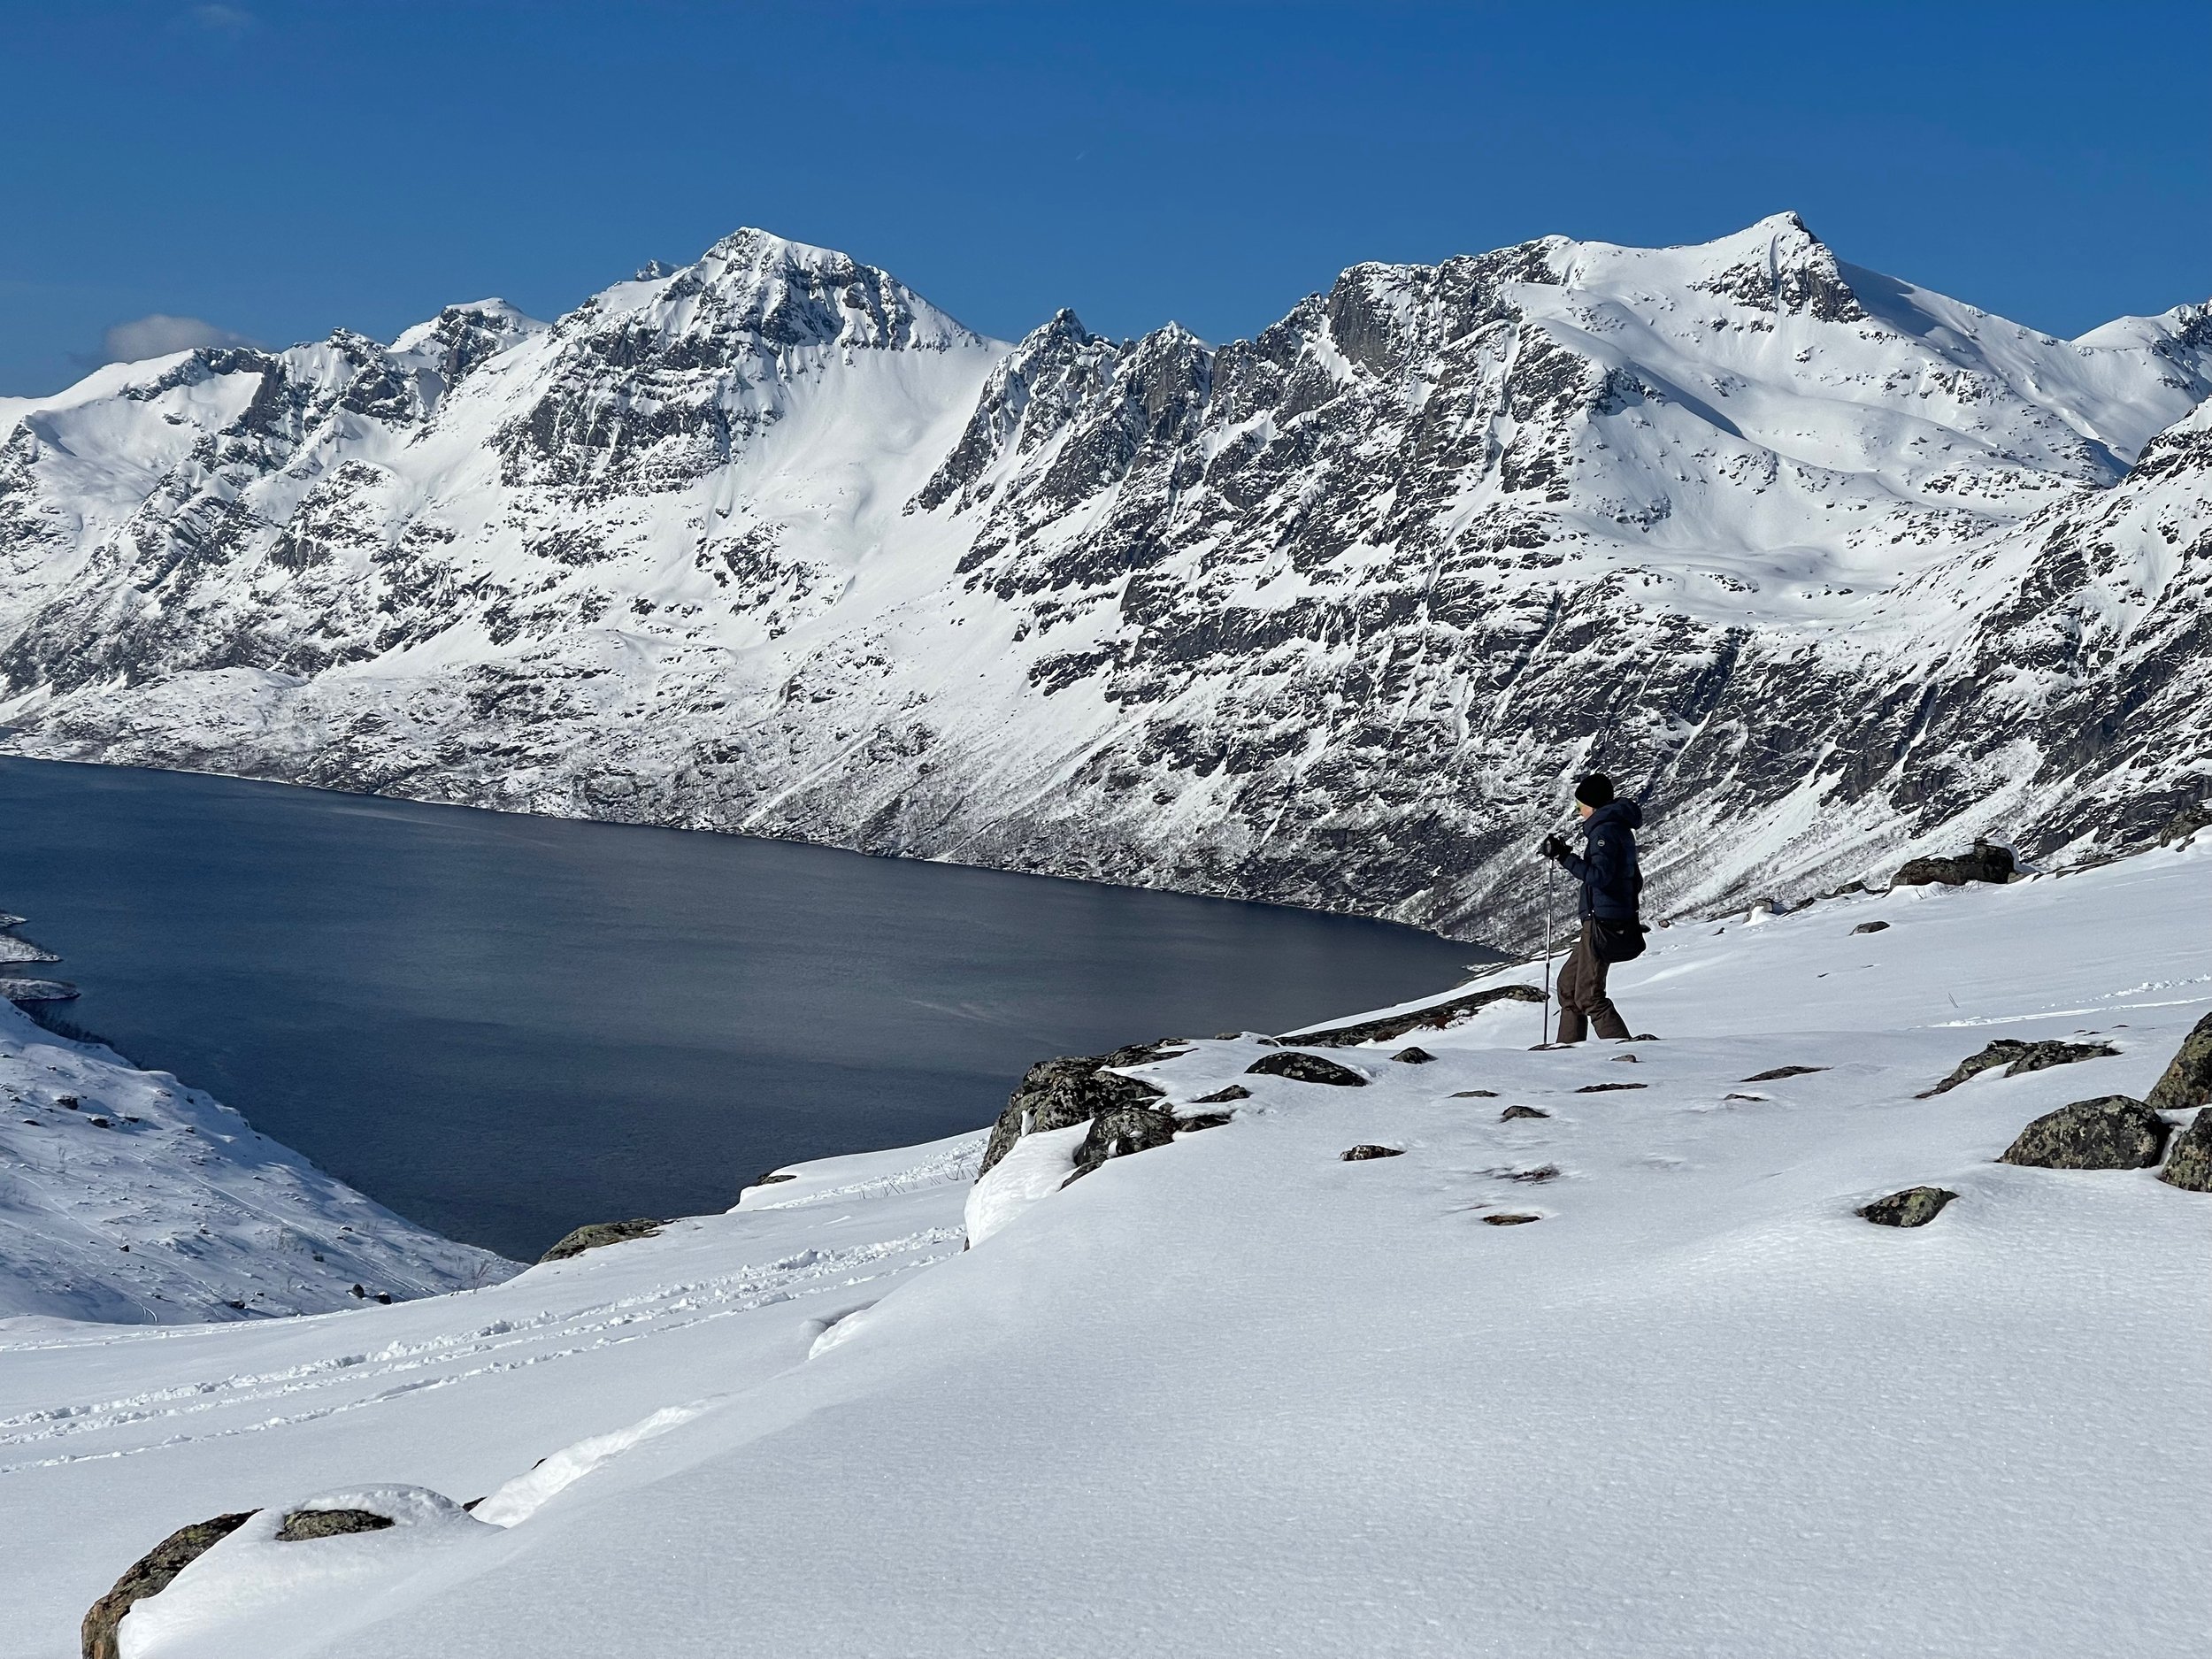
1237, 1396
126, 1197
768, 543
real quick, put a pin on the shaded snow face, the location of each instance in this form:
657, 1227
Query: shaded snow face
1332, 615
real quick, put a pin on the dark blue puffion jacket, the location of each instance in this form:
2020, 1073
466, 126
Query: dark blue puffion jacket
1607, 865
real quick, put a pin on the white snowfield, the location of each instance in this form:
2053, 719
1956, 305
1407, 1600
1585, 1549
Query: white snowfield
1236, 1396
126, 1197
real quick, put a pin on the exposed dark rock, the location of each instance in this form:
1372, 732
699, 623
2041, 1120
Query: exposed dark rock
2110, 1133
1536, 1176
1305, 1068
2189, 1166
1986, 863
2184, 824
1360, 1154
773, 1176
303, 1524
150, 1575
1475, 1093
1914, 1207
1223, 1097
2019, 1059
1608, 1088
1121, 1130
598, 1233
1061, 1093
1626, 1059
1414, 1057
1508, 1219
1511, 1112
1781, 1071
1201, 1120
2187, 1079
1436, 1016
1871, 927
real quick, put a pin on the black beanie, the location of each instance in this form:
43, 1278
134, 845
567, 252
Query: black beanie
1595, 790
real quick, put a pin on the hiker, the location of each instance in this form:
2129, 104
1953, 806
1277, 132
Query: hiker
1610, 930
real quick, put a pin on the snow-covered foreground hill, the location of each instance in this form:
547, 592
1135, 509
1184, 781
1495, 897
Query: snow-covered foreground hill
1237, 1396
126, 1197
1833, 567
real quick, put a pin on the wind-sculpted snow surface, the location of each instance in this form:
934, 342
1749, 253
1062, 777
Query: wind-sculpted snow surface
126, 1196
1832, 568
1691, 1403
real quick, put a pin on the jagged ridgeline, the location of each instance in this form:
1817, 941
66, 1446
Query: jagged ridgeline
1823, 564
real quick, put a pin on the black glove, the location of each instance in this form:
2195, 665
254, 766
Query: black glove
1553, 849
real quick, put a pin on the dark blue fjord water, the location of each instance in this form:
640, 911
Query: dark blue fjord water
505, 1026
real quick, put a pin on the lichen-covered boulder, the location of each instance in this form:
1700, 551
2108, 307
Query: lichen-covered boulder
2187, 1080
1305, 1068
598, 1233
1119, 1131
303, 1524
1986, 863
2111, 1133
1914, 1207
2184, 824
2189, 1166
150, 1575
1061, 1093
2019, 1059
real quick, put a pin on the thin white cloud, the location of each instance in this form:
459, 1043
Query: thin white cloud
223, 20
159, 334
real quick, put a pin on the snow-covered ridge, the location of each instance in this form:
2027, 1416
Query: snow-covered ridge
1832, 568
1364, 1417
126, 1197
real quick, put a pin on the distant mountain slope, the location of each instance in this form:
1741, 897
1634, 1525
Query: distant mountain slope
1827, 565
127, 1198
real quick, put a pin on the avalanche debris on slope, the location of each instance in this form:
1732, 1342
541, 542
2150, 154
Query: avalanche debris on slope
1697, 1406
768, 543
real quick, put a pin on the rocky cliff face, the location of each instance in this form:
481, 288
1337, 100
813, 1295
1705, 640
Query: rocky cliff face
1828, 567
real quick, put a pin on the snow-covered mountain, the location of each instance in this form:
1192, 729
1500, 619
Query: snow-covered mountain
1829, 567
1238, 1396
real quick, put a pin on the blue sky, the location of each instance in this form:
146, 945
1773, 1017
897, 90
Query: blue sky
275, 170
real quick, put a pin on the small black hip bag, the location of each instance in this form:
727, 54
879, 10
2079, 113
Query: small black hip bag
1617, 942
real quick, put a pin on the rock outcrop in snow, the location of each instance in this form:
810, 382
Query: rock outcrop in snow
1834, 568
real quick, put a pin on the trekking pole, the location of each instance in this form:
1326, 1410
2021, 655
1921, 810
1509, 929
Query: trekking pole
1551, 889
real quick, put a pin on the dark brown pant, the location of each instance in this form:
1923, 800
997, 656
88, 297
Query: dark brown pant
1582, 999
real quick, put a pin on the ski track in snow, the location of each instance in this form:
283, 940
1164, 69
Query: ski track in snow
503, 1345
